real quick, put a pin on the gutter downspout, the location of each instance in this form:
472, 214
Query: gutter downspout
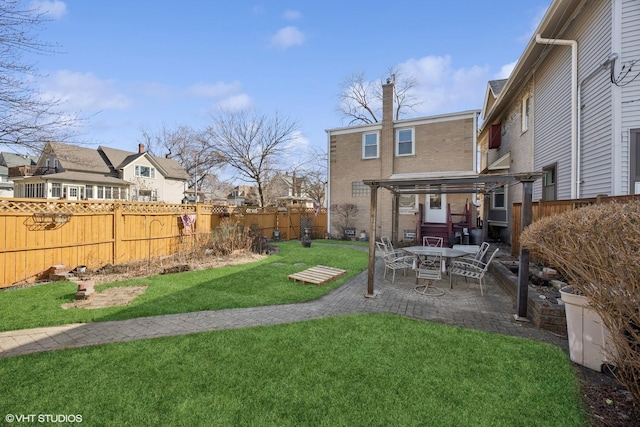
574, 106
602, 66
327, 191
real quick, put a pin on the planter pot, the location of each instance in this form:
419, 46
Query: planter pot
587, 335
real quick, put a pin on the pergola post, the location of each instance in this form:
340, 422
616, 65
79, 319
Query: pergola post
395, 213
526, 216
486, 202
372, 241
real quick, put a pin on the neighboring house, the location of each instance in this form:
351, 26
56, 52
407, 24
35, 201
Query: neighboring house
243, 195
9, 160
79, 173
288, 190
443, 145
571, 108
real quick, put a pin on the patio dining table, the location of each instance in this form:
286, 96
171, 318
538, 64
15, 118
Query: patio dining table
419, 252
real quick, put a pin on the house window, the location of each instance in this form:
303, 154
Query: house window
56, 190
89, 192
407, 203
498, 201
34, 190
526, 110
370, 145
147, 195
435, 201
404, 142
145, 171
359, 189
549, 183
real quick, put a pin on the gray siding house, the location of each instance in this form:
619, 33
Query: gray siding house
571, 108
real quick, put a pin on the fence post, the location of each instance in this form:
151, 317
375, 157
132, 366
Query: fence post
117, 232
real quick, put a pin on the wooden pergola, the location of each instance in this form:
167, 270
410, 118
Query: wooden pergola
462, 184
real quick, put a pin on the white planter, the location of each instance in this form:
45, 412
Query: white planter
587, 334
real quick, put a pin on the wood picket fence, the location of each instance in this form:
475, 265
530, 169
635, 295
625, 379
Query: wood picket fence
542, 208
38, 234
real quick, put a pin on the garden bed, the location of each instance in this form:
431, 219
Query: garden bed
544, 308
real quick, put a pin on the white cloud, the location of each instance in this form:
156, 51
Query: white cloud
505, 70
236, 103
54, 9
292, 15
84, 92
215, 90
287, 37
441, 88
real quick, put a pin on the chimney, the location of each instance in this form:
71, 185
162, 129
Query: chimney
387, 99
387, 152
140, 148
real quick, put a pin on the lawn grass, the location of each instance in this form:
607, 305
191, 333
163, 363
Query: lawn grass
357, 370
259, 283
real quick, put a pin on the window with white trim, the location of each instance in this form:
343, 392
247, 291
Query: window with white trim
526, 111
370, 145
34, 190
56, 189
499, 199
404, 142
145, 171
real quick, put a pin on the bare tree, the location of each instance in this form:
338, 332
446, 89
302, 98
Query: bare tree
360, 101
192, 149
252, 143
27, 118
343, 214
315, 174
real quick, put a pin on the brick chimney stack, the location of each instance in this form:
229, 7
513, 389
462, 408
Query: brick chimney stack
388, 95
140, 148
386, 133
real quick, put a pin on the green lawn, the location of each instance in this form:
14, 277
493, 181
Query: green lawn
259, 283
359, 370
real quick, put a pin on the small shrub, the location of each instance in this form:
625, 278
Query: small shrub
598, 249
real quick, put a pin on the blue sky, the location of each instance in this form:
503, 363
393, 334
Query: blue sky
138, 64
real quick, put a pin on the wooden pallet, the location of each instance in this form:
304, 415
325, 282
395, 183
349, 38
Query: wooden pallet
318, 275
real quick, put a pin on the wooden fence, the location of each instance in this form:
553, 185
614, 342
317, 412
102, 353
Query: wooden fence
41, 233
543, 209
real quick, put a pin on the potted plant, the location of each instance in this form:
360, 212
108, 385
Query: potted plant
597, 248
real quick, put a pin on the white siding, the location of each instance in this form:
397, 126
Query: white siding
593, 31
552, 112
630, 109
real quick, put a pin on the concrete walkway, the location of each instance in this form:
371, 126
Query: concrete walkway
462, 306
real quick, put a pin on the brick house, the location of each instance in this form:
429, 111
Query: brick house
421, 147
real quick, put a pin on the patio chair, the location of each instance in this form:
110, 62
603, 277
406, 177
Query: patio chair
386, 241
432, 241
466, 269
396, 260
478, 256
429, 270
